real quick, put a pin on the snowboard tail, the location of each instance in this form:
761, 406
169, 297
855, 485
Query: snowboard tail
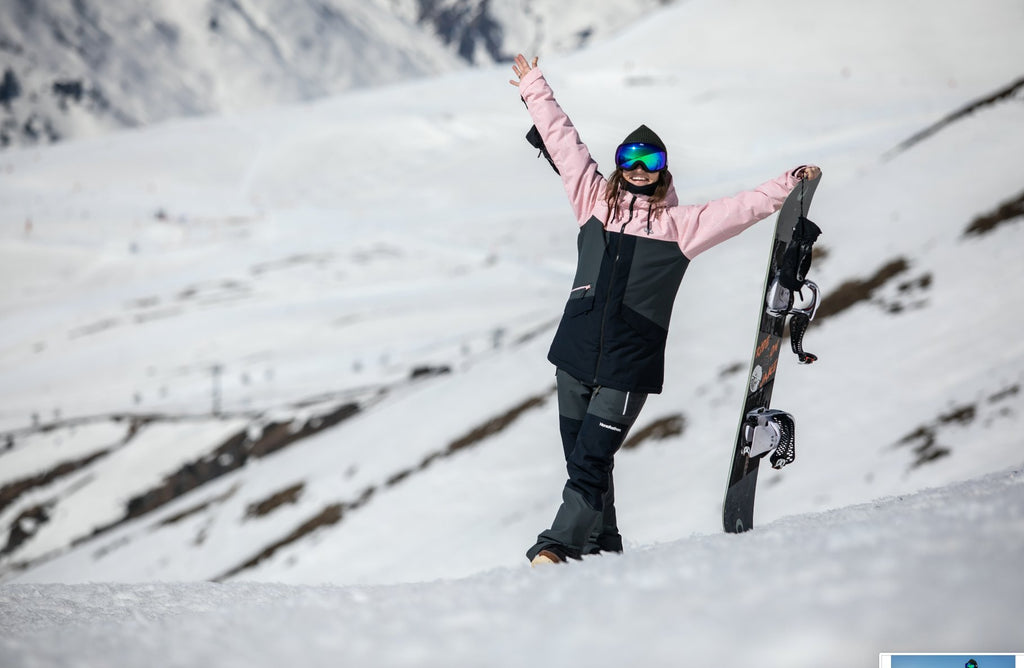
763, 431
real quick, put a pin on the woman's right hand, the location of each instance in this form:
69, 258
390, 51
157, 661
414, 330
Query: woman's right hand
521, 66
808, 172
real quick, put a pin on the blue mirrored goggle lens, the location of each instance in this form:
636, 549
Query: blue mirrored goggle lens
644, 156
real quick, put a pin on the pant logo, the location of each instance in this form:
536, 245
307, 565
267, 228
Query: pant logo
608, 426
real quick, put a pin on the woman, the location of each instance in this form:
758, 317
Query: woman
635, 242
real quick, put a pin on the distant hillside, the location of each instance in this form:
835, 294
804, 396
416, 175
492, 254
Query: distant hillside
73, 68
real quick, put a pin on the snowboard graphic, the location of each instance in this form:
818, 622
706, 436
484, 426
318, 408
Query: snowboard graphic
787, 294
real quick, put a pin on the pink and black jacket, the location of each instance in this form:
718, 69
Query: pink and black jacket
616, 320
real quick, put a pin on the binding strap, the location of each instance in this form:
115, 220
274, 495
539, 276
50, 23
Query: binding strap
796, 261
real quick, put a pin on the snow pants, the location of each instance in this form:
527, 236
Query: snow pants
593, 421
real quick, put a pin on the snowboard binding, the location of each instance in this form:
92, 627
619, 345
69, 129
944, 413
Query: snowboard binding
783, 302
770, 430
790, 282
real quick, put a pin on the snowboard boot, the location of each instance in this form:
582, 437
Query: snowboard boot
545, 557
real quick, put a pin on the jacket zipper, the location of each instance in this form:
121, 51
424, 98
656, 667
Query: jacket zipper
608, 294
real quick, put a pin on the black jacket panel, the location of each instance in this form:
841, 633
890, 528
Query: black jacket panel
615, 323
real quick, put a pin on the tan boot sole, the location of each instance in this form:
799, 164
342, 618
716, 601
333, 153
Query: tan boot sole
545, 557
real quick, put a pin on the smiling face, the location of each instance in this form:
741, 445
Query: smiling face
640, 177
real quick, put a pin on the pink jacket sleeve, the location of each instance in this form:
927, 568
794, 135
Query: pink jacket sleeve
578, 170
702, 226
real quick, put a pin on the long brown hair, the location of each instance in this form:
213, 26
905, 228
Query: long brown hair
657, 200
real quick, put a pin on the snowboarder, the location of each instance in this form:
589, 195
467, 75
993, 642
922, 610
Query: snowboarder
635, 242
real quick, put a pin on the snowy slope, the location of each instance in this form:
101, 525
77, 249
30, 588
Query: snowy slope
75, 69
936, 571
71, 69
329, 275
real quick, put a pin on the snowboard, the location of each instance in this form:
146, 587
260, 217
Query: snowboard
787, 295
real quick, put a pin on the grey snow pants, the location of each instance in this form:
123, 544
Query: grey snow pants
593, 421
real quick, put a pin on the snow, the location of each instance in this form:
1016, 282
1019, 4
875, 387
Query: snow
73, 69
326, 253
132, 63
782, 595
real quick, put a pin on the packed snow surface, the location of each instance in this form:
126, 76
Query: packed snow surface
937, 570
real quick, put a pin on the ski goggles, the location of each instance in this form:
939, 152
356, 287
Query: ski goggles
645, 156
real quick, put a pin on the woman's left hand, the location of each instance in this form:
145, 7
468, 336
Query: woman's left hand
808, 172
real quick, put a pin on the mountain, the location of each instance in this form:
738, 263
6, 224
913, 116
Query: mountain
487, 31
306, 344
75, 68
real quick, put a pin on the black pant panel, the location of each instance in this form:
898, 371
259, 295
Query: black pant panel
594, 422
590, 463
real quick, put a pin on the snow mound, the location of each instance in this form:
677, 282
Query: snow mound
934, 570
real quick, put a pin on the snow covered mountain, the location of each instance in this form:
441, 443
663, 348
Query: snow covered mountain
306, 345
74, 68
486, 31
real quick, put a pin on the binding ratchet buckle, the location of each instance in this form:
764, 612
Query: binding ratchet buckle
782, 302
768, 430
